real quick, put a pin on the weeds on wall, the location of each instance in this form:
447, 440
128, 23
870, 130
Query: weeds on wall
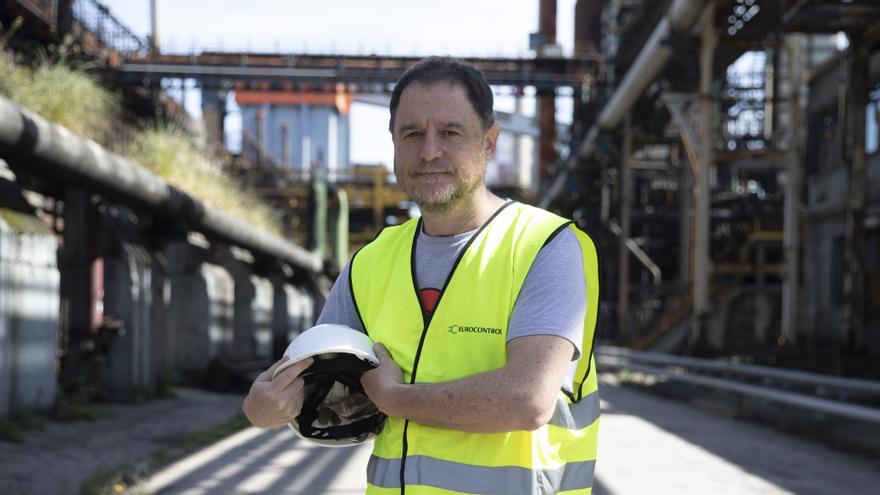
64, 93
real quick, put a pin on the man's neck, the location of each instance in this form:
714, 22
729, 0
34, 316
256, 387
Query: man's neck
466, 217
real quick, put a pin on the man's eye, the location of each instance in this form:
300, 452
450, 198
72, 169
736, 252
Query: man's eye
451, 133
412, 135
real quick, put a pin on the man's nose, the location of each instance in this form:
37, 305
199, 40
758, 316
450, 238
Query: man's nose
432, 147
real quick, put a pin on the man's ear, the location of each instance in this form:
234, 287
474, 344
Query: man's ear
490, 140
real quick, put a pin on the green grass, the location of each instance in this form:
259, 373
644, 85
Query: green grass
120, 479
80, 412
171, 153
10, 432
74, 99
62, 95
12, 428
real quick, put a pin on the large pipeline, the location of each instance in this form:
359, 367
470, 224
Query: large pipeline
32, 145
652, 59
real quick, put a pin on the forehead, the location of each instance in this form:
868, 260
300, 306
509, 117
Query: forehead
447, 101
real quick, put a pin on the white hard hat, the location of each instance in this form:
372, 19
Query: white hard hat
336, 412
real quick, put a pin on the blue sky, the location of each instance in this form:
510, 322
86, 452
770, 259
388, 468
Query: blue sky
455, 27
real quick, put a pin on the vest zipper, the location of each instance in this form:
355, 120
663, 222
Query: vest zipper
426, 318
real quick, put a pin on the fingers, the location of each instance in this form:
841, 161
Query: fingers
266, 376
381, 352
289, 374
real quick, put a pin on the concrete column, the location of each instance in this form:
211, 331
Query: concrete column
702, 268
623, 259
854, 258
75, 259
127, 310
793, 184
189, 308
213, 115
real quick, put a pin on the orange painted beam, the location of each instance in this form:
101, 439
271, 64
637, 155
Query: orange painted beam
341, 101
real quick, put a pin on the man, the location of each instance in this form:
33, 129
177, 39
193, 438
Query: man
483, 311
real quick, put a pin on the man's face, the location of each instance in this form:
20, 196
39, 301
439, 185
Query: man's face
440, 146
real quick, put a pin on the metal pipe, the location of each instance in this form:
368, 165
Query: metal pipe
625, 194
828, 383
836, 408
681, 17
32, 145
702, 199
651, 60
793, 180
640, 255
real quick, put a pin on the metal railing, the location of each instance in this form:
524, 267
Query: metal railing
828, 392
97, 18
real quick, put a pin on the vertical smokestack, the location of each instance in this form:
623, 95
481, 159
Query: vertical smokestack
285, 144
154, 27
547, 97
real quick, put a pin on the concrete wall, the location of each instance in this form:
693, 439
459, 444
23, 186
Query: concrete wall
29, 312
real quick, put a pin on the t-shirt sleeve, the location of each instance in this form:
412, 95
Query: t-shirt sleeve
339, 308
553, 298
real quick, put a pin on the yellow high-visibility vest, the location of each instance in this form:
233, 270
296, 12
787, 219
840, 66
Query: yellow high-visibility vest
467, 334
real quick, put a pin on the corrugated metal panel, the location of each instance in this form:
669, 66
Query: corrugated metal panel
221, 296
29, 308
300, 313
261, 308
7, 243
128, 300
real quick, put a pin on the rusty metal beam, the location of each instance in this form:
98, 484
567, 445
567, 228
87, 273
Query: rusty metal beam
220, 67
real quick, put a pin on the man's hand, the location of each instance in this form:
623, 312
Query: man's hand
273, 403
380, 383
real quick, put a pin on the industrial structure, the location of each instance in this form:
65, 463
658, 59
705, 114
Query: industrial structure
725, 168
724, 154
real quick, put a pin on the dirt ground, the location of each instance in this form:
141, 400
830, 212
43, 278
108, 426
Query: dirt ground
58, 458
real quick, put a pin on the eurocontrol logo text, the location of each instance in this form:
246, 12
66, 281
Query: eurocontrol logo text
456, 329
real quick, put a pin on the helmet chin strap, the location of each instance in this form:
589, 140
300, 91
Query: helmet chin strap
321, 376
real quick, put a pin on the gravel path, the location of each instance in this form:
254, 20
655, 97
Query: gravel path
57, 459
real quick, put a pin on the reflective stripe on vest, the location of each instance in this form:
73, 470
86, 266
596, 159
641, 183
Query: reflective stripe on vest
479, 296
576, 416
464, 478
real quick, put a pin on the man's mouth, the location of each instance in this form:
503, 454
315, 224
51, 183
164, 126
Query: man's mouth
432, 172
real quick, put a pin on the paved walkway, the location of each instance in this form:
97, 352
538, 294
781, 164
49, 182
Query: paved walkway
651, 445
57, 459
647, 445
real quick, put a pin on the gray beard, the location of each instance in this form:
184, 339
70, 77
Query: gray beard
444, 202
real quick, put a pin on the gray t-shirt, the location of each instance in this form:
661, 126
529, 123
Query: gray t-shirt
552, 301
